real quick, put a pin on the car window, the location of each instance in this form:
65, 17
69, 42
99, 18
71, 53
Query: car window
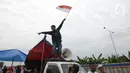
65, 68
54, 68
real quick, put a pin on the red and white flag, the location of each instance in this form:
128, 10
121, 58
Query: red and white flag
64, 8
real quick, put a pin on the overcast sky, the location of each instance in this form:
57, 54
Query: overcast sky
82, 32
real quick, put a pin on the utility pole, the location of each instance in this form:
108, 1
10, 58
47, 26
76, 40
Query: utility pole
110, 32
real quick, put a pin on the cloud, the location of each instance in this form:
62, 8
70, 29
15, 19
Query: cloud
82, 32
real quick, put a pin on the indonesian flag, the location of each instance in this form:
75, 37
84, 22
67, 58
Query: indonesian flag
64, 8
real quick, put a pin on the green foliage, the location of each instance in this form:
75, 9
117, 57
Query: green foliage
129, 55
100, 59
88, 60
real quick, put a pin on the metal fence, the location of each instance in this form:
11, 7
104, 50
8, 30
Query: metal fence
113, 68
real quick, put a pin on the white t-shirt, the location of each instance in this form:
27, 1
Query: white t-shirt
92, 72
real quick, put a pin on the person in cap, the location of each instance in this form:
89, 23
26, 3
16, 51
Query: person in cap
101, 69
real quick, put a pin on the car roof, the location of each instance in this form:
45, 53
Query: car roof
59, 60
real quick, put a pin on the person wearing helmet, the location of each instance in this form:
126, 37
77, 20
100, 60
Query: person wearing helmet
56, 38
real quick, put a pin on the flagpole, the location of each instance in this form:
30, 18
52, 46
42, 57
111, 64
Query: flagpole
64, 8
71, 9
67, 15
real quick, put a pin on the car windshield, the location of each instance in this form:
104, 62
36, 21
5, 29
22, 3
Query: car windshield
65, 68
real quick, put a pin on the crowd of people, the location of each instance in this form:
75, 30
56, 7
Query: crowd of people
74, 68
93, 68
21, 69
14, 69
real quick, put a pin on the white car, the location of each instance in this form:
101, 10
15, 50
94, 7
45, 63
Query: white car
61, 66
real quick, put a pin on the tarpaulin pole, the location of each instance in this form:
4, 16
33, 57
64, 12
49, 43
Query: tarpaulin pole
12, 61
42, 54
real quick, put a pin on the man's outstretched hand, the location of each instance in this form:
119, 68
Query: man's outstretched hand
39, 33
64, 19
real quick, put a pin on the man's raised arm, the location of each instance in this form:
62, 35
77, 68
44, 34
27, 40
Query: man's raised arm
59, 27
48, 32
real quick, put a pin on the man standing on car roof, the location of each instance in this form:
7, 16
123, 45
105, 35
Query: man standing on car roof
56, 38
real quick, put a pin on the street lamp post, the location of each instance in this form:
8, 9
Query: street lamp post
112, 40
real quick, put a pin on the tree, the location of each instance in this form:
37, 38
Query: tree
100, 59
88, 60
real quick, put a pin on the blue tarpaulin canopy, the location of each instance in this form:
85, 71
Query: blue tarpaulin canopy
12, 55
